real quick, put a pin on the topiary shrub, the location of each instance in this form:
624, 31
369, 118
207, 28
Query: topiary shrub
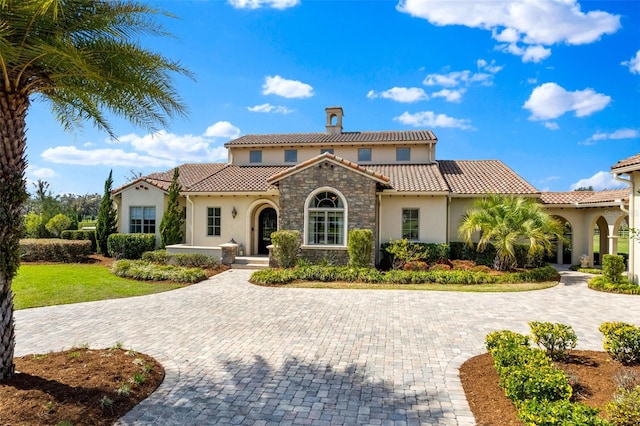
557, 339
360, 248
613, 267
286, 246
621, 341
130, 246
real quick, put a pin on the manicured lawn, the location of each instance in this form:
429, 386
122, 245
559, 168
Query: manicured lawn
46, 285
471, 288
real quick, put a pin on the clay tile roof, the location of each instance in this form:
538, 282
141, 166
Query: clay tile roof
189, 175
631, 161
409, 136
238, 179
326, 155
609, 196
568, 197
483, 177
413, 177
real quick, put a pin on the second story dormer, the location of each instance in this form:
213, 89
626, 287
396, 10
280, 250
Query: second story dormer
384, 147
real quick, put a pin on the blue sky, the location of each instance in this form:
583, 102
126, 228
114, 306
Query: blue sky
551, 88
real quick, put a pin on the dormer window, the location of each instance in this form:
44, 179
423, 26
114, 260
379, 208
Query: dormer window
364, 154
403, 154
255, 156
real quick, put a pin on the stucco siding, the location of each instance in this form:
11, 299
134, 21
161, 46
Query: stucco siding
432, 217
141, 195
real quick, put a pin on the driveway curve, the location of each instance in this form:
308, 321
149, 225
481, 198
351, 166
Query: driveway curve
235, 353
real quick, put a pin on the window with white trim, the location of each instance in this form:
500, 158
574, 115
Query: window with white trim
411, 224
214, 222
326, 219
142, 219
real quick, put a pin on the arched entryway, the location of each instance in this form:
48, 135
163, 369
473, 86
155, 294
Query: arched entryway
562, 250
267, 223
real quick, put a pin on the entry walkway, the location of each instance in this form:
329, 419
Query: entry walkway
235, 353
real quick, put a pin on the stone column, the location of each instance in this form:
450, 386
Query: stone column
229, 252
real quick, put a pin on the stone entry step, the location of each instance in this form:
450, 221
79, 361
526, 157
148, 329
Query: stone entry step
250, 262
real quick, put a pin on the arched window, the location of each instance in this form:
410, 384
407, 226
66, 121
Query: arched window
325, 219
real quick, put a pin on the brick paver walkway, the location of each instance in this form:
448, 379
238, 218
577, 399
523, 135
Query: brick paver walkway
235, 353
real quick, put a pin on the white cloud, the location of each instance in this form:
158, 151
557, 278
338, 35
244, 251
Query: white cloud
222, 129
40, 172
255, 4
533, 23
490, 67
106, 157
551, 125
618, 134
430, 119
633, 63
270, 108
599, 181
449, 95
400, 94
180, 148
549, 101
457, 78
286, 88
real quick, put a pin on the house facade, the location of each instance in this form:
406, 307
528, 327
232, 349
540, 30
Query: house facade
327, 183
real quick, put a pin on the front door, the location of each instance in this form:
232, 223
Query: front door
267, 223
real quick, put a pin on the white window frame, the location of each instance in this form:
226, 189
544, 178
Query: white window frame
143, 225
308, 210
417, 210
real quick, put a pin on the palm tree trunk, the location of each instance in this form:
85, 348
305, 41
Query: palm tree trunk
13, 194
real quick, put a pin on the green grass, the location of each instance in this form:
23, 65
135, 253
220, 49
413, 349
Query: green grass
623, 245
469, 288
47, 285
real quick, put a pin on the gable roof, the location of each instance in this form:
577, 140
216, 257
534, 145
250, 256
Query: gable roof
326, 156
410, 136
189, 174
471, 177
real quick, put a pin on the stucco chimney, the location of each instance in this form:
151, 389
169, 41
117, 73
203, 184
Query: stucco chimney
334, 120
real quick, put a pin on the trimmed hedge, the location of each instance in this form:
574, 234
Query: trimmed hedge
54, 250
601, 283
80, 236
130, 246
146, 271
194, 260
372, 275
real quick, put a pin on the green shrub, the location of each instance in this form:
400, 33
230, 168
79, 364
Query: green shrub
130, 246
621, 341
54, 250
273, 276
557, 339
535, 380
505, 339
464, 251
613, 267
286, 247
545, 273
624, 410
197, 260
558, 413
87, 224
57, 224
601, 283
157, 256
398, 252
360, 247
89, 235
145, 271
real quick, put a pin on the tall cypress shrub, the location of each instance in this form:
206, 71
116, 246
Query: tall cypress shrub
107, 217
172, 219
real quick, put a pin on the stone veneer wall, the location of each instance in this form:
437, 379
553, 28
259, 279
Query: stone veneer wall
358, 190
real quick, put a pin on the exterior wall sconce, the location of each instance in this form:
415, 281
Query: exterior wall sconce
234, 212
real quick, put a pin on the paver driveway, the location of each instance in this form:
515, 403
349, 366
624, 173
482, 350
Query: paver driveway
235, 353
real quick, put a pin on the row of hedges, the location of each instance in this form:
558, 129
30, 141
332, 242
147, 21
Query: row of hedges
372, 275
147, 271
541, 392
398, 252
54, 250
89, 235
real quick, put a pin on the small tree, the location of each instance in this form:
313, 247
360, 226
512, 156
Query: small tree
172, 219
286, 247
58, 223
107, 217
360, 247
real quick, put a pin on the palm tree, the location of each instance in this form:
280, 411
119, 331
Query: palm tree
82, 57
506, 221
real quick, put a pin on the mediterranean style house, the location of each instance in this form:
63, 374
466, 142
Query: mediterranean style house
325, 184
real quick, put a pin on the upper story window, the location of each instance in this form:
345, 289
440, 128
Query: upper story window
410, 224
403, 154
329, 150
364, 154
142, 219
290, 155
326, 219
214, 221
255, 156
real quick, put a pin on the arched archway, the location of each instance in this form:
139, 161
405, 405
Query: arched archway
600, 240
262, 220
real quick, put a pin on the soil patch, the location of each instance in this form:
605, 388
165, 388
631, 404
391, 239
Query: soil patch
594, 377
80, 387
